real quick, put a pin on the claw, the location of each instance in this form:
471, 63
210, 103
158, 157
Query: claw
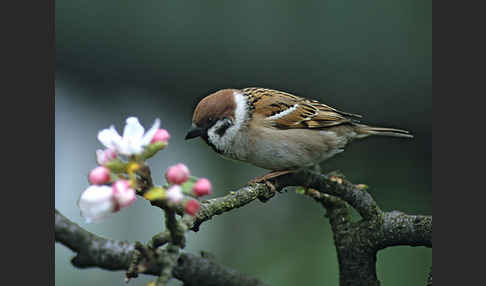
265, 178
270, 186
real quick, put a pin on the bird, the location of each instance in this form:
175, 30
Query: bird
277, 130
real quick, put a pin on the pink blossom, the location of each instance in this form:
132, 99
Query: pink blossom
123, 194
202, 187
99, 175
177, 174
161, 135
104, 156
192, 207
174, 194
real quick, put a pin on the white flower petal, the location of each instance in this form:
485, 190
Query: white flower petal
151, 132
119, 146
133, 129
115, 136
108, 137
174, 194
136, 147
132, 141
100, 157
126, 198
130, 147
96, 203
123, 148
103, 156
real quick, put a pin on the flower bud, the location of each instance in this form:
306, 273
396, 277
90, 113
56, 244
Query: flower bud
161, 135
104, 156
174, 194
192, 207
123, 194
96, 203
99, 175
202, 187
177, 174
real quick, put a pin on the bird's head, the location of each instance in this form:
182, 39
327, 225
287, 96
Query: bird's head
218, 117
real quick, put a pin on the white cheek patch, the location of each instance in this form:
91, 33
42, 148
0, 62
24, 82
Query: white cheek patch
283, 113
223, 143
220, 142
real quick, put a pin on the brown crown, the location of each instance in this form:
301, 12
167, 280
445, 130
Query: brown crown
215, 106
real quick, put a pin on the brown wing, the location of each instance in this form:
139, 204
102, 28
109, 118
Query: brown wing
286, 110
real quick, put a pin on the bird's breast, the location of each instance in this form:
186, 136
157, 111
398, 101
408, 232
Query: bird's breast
275, 149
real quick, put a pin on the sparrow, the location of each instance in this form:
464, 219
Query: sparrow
276, 130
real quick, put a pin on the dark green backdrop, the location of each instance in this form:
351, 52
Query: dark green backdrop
158, 58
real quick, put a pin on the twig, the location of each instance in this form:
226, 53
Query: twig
94, 251
356, 243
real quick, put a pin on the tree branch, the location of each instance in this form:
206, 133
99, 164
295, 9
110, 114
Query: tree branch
95, 251
398, 228
233, 200
402, 229
356, 197
333, 185
356, 243
91, 249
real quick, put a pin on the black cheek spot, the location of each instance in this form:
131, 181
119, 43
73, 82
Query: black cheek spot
222, 129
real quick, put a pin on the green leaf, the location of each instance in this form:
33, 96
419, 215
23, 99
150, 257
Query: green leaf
152, 149
187, 187
116, 166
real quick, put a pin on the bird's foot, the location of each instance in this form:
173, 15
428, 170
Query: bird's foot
265, 178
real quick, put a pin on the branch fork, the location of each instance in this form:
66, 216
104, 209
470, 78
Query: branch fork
357, 243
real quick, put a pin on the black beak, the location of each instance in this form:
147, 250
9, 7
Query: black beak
194, 132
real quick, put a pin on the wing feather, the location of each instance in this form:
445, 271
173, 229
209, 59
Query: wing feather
286, 110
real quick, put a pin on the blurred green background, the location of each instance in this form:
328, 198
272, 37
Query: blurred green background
152, 59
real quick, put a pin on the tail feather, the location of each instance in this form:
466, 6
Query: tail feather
365, 130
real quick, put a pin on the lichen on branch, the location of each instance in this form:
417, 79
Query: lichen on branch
95, 251
357, 243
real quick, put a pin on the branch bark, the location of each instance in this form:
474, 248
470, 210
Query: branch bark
96, 251
357, 243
